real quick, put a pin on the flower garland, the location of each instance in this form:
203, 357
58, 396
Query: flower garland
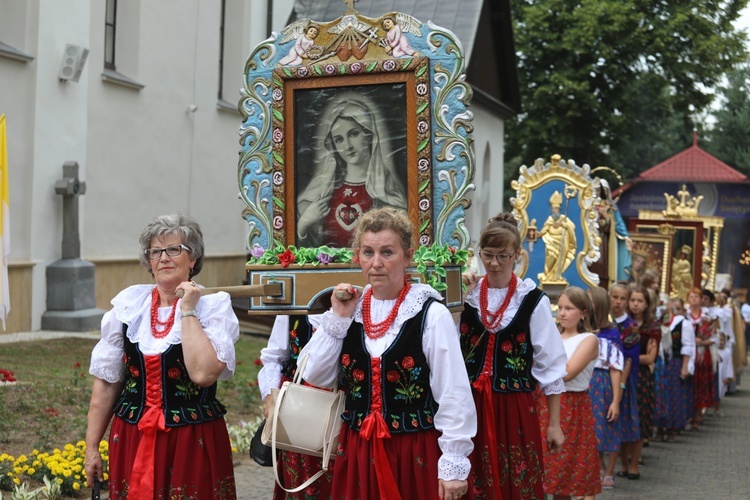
430, 260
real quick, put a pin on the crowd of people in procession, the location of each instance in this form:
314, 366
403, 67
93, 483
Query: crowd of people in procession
508, 402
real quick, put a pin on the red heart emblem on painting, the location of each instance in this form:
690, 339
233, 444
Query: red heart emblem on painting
348, 215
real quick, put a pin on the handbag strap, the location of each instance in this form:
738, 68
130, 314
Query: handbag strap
301, 365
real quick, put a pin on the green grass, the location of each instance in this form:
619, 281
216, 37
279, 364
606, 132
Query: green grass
47, 407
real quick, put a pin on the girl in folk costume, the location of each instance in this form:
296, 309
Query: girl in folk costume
639, 305
409, 416
510, 342
705, 336
574, 470
619, 295
604, 388
678, 370
288, 336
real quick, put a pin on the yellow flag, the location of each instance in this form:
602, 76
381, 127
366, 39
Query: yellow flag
4, 224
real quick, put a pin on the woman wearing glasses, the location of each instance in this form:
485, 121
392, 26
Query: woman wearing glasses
510, 342
156, 368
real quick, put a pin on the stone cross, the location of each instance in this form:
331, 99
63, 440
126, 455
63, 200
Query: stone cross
70, 188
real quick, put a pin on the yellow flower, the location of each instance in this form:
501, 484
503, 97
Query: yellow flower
17, 481
67, 473
30, 471
76, 486
59, 480
105, 476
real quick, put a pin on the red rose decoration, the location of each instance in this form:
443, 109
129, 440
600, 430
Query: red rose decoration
507, 346
474, 340
392, 376
358, 375
414, 423
173, 373
521, 338
345, 360
293, 334
176, 418
408, 363
134, 371
394, 424
286, 258
464, 328
295, 349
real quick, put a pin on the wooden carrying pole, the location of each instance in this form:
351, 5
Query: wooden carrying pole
266, 290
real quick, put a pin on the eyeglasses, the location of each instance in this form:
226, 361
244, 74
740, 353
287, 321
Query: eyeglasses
171, 251
501, 258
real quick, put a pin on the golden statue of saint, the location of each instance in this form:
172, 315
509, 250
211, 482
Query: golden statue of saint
559, 237
682, 273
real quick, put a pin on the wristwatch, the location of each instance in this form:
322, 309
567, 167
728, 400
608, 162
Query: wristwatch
192, 312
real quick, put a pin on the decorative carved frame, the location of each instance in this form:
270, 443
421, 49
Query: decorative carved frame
537, 176
440, 161
659, 258
680, 231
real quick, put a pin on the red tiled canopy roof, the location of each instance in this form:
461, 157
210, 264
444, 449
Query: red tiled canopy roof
692, 165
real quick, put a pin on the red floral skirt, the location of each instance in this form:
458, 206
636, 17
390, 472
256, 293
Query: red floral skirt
703, 381
519, 446
191, 461
295, 469
413, 459
574, 470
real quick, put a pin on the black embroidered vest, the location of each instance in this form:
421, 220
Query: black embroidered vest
408, 404
300, 331
677, 340
513, 356
184, 402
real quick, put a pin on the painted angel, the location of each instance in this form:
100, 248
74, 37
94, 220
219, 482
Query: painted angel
395, 41
305, 33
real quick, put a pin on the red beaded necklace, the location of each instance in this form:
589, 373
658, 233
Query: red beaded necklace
377, 330
160, 329
492, 320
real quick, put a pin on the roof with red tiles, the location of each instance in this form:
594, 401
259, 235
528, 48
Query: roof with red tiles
692, 165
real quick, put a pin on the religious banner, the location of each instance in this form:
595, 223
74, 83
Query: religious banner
343, 116
555, 205
4, 223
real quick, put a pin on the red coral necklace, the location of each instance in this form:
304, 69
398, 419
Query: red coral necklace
492, 320
377, 330
160, 329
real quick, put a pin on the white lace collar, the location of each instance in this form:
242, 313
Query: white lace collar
498, 294
410, 307
132, 306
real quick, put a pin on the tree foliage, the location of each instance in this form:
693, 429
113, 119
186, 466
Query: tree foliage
615, 82
729, 138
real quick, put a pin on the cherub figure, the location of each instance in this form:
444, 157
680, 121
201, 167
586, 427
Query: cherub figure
305, 33
395, 41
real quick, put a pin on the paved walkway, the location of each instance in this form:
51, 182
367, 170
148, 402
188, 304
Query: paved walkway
711, 463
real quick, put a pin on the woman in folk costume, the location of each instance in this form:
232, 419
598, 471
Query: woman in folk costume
510, 342
409, 416
574, 471
289, 335
678, 370
706, 335
604, 390
156, 369
354, 175
630, 432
